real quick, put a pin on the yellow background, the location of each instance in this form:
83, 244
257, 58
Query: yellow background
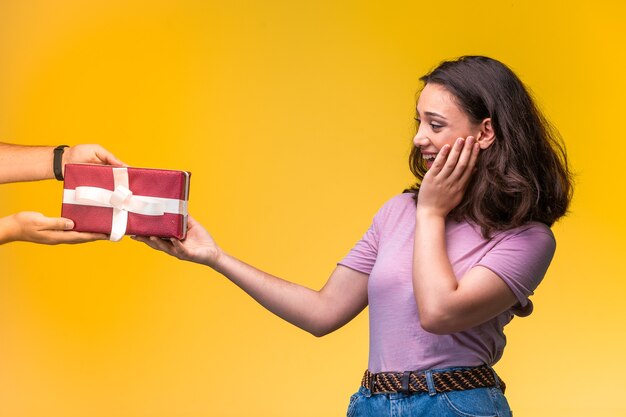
296, 121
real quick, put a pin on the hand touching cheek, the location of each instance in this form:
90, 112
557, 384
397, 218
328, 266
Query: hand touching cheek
445, 182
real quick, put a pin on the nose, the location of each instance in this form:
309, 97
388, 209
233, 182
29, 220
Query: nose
420, 140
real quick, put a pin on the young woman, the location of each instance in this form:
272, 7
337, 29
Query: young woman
444, 266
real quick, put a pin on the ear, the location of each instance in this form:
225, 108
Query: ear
486, 136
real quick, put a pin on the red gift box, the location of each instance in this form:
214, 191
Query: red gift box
123, 200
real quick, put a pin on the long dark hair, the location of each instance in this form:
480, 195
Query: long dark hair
523, 176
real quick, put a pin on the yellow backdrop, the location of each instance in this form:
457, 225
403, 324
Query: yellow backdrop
296, 121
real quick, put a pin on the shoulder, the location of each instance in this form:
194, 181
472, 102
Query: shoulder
400, 202
533, 233
398, 205
524, 252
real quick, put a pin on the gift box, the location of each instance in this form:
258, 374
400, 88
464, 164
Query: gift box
124, 200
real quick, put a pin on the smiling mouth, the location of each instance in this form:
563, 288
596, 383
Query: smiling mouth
429, 157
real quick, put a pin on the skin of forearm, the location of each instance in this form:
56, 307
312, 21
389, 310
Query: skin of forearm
434, 282
25, 163
299, 305
321, 312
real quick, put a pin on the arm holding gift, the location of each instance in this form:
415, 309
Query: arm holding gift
318, 312
30, 226
31, 163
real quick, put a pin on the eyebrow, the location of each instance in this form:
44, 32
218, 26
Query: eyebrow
431, 113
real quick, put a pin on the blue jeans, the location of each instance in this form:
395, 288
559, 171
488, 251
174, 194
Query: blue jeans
478, 402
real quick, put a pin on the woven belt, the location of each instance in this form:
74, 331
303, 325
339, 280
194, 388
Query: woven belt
445, 381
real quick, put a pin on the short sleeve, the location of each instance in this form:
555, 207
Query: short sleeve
363, 255
521, 259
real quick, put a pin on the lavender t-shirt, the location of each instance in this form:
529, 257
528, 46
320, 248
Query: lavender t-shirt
398, 342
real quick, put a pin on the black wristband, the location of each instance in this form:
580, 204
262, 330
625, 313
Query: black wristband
57, 164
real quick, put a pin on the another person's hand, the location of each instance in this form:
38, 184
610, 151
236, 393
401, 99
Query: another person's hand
445, 182
30, 226
198, 246
89, 154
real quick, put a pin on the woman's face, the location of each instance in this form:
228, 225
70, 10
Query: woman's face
441, 121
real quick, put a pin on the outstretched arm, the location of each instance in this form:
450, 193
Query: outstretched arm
445, 304
318, 312
33, 163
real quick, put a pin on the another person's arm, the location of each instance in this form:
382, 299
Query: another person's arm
318, 312
32, 163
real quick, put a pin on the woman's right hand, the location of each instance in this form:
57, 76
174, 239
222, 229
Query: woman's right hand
198, 246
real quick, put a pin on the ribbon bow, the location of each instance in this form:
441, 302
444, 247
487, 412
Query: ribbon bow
121, 199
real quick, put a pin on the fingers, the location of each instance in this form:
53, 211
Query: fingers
91, 154
161, 244
194, 228
452, 161
146, 240
35, 221
470, 164
173, 247
155, 243
59, 237
439, 161
457, 162
56, 230
191, 222
108, 158
465, 154
55, 223
179, 250
35, 227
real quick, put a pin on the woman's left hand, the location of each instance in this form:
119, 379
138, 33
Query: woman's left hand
445, 182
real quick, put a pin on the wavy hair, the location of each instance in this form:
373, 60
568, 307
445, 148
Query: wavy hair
524, 175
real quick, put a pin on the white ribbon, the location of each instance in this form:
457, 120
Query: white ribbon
123, 201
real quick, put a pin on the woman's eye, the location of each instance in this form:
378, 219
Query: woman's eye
433, 126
